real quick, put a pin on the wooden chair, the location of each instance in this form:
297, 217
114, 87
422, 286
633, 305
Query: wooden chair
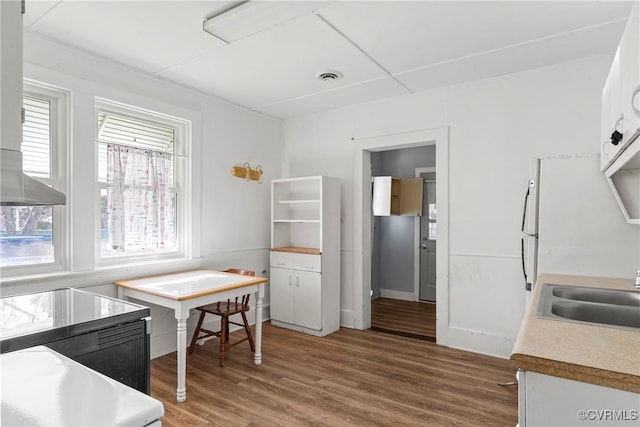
225, 309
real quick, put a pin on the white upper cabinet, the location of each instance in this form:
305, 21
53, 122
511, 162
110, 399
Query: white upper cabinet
397, 196
611, 125
630, 76
620, 96
621, 105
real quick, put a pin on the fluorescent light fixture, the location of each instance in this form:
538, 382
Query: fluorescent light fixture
249, 17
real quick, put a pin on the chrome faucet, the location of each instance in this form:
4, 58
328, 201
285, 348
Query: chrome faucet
637, 283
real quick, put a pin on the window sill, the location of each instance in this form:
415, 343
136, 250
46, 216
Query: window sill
101, 276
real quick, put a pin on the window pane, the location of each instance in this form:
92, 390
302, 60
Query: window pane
26, 235
137, 207
36, 137
433, 214
26, 231
433, 231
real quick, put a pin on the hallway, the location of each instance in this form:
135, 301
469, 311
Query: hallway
410, 319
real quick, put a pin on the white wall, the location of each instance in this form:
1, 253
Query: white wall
230, 224
496, 126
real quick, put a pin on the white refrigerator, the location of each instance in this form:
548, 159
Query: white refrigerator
572, 224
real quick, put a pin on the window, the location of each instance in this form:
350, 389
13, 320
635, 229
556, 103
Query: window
32, 235
138, 177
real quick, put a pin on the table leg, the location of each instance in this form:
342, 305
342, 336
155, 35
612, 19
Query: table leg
258, 353
181, 395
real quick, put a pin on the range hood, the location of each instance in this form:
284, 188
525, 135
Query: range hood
624, 177
16, 188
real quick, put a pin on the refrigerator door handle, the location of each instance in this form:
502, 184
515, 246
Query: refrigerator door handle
527, 285
524, 210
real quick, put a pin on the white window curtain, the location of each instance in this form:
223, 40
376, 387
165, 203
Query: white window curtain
141, 214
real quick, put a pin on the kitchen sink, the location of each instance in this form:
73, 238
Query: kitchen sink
598, 313
605, 296
596, 306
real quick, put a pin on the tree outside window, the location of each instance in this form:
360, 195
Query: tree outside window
26, 232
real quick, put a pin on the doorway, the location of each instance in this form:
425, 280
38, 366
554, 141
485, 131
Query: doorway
362, 216
403, 268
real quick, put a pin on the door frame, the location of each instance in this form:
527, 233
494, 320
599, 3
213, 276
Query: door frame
362, 221
416, 247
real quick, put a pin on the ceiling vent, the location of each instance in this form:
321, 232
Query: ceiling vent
329, 76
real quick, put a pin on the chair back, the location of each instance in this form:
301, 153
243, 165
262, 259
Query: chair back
245, 298
239, 271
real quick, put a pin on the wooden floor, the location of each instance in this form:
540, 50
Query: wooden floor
349, 378
408, 318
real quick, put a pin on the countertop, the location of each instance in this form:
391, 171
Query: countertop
59, 313
43, 388
593, 354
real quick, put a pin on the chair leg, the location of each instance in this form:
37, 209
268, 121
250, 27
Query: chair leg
224, 323
247, 329
196, 332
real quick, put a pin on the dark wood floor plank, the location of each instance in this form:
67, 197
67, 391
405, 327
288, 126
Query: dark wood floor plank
408, 317
349, 378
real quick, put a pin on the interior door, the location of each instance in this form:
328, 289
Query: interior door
428, 228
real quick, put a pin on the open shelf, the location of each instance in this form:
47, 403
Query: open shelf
297, 250
299, 221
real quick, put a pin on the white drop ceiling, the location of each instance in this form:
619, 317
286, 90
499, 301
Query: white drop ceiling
383, 48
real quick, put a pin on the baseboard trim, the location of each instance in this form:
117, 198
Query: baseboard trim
480, 342
390, 293
346, 319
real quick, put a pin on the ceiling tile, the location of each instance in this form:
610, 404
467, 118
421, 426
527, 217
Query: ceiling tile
277, 64
596, 40
364, 92
403, 35
150, 35
34, 10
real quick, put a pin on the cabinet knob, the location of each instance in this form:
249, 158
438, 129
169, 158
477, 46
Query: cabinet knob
616, 137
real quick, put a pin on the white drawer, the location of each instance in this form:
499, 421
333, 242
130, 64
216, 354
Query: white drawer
296, 261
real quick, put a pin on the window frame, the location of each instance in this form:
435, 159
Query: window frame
182, 143
59, 177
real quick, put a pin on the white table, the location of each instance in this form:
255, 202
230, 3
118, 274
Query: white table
186, 290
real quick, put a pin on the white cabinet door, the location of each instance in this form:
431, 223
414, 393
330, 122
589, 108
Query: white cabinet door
551, 402
630, 73
613, 88
282, 300
308, 299
605, 125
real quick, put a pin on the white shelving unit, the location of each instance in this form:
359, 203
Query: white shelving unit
305, 254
